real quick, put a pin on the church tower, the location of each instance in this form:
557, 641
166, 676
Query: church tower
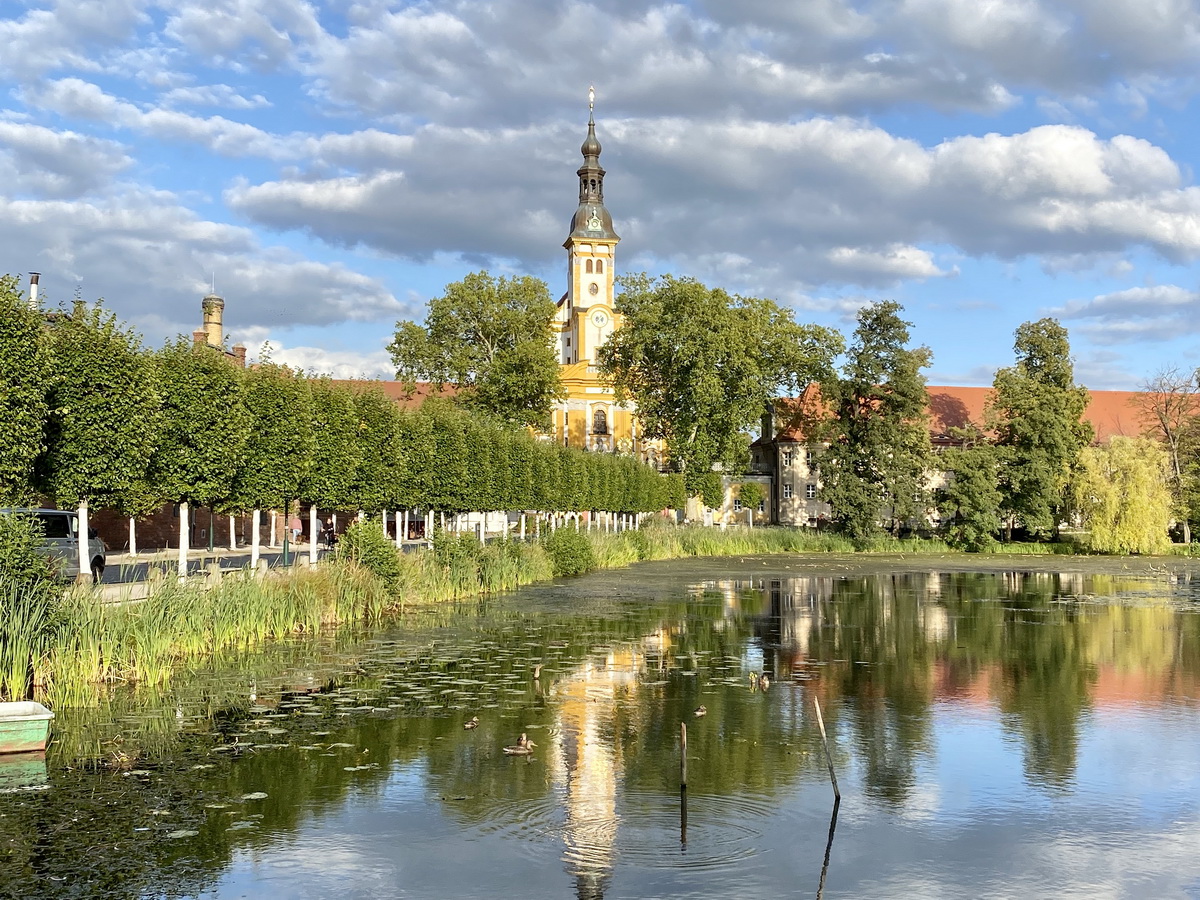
589, 418
591, 256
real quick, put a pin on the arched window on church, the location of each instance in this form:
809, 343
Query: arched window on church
599, 422
600, 267
587, 267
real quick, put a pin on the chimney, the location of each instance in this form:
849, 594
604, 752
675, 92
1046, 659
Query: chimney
239, 355
214, 308
199, 337
34, 278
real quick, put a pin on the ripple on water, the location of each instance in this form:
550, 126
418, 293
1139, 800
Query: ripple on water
642, 830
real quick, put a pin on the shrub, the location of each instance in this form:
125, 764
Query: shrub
366, 544
21, 562
570, 552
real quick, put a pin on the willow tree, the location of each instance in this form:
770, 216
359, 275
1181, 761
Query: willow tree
23, 373
103, 414
203, 430
702, 365
878, 435
1036, 413
1122, 494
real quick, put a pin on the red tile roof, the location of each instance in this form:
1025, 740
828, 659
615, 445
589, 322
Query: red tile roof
396, 390
1110, 412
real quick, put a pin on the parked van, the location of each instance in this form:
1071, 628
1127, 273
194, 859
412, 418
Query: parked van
60, 536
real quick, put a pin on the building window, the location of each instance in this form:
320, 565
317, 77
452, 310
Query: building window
599, 267
810, 492
809, 459
787, 458
599, 422
588, 267
566, 428
737, 504
762, 506
787, 492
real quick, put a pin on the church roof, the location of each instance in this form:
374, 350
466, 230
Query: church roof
591, 220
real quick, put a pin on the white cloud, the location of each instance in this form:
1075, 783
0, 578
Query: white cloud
1139, 314
213, 95
44, 162
81, 99
336, 364
820, 200
152, 260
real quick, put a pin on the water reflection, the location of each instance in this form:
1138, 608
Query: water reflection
922, 676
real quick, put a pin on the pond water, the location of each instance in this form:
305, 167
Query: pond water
1007, 734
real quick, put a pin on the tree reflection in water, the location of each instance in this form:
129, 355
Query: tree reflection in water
884, 654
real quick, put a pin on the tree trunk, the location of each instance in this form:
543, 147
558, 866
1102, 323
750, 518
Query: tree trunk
312, 534
271, 539
183, 540
402, 536
82, 544
255, 526
232, 534
132, 536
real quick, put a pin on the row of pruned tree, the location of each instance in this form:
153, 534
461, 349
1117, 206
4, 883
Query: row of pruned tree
91, 418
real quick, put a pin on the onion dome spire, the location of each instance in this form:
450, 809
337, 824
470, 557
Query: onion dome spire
591, 219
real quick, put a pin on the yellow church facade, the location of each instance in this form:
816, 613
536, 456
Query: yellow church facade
589, 417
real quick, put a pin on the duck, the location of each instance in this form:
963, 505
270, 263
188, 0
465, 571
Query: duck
523, 747
474, 723
700, 711
763, 681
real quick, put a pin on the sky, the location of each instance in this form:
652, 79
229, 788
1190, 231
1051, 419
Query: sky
330, 167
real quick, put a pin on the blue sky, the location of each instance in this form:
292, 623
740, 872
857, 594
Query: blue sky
984, 162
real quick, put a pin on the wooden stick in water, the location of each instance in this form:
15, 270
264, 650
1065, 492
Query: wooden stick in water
683, 755
828, 756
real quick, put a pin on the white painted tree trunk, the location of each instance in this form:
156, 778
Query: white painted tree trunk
255, 526
233, 534
312, 534
271, 540
402, 534
82, 542
183, 540
334, 517
522, 526
132, 536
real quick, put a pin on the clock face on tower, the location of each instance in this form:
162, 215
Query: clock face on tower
599, 318
593, 289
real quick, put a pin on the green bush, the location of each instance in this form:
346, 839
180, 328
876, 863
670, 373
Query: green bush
21, 563
366, 544
570, 552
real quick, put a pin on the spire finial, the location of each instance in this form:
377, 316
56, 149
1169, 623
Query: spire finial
591, 98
